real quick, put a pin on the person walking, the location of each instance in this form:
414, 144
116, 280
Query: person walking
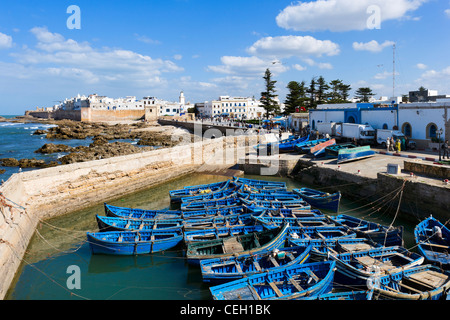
388, 144
391, 145
398, 144
446, 150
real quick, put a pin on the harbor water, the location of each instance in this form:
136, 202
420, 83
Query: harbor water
59, 246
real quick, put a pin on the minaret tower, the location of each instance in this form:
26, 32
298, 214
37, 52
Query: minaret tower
182, 99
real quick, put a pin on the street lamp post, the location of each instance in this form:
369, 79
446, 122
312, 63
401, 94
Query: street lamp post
439, 133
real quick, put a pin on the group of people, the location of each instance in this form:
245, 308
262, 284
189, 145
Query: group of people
392, 145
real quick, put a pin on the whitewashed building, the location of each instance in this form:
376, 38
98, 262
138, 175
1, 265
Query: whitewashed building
95, 101
234, 107
420, 121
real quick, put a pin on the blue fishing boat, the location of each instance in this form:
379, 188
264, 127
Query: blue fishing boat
320, 199
352, 154
251, 243
133, 242
219, 221
333, 151
269, 197
324, 233
233, 268
387, 236
286, 145
289, 213
323, 248
289, 146
255, 182
354, 268
288, 283
433, 241
177, 195
304, 147
230, 192
135, 213
314, 221
119, 224
425, 282
220, 233
291, 204
130, 213
203, 205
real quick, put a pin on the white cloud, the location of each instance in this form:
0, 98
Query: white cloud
320, 65
178, 57
421, 66
372, 46
253, 66
343, 15
5, 41
384, 75
145, 39
62, 58
299, 67
288, 46
447, 13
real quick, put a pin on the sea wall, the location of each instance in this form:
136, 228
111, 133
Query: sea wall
30, 197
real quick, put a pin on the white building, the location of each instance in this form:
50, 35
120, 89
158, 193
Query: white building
420, 121
128, 103
233, 107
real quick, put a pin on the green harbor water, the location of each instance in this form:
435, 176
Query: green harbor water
60, 243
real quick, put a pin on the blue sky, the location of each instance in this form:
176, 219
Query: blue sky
212, 48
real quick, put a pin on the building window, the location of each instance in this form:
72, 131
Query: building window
406, 129
385, 126
431, 130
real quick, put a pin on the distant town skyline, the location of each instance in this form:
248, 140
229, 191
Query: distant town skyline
51, 50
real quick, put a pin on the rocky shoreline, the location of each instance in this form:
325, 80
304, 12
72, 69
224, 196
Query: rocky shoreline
145, 137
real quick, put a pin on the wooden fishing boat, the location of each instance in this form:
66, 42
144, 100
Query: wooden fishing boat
354, 268
220, 233
433, 242
135, 213
387, 236
292, 204
139, 214
320, 199
177, 195
319, 149
289, 146
227, 193
119, 224
218, 221
203, 205
323, 248
333, 151
352, 154
315, 221
288, 283
233, 268
269, 197
289, 213
304, 147
255, 182
425, 282
133, 242
324, 233
252, 243
286, 145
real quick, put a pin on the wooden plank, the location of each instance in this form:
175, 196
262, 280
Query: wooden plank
409, 288
296, 285
274, 262
430, 278
257, 266
232, 245
312, 274
275, 288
